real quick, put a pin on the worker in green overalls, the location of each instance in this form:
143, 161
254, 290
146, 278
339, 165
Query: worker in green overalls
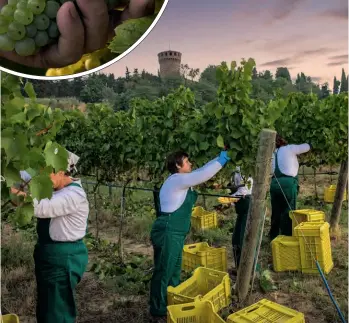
242, 188
60, 254
284, 185
172, 225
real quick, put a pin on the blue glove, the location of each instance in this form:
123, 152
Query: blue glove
223, 157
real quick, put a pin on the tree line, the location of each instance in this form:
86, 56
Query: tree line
119, 91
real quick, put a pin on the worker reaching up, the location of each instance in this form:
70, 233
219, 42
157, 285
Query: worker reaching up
176, 201
60, 254
284, 185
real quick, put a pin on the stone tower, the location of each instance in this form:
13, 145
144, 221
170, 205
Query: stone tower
170, 63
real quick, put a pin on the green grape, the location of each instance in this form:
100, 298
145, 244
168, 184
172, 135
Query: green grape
25, 47
41, 38
53, 31
36, 6
41, 22
22, 5
24, 17
16, 31
3, 25
6, 43
51, 9
8, 10
12, 2
31, 30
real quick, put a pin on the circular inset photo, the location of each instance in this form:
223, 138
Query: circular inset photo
60, 39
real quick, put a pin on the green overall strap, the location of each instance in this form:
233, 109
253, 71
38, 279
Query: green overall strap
277, 171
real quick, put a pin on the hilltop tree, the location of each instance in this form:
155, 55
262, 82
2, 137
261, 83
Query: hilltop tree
336, 85
344, 82
283, 72
209, 75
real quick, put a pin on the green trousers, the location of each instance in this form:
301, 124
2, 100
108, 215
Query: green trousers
281, 200
168, 247
59, 267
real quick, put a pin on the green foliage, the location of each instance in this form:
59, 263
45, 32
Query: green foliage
322, 123
28, 131
129, 32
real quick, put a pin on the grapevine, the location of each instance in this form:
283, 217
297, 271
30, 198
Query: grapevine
129, 144
28, 133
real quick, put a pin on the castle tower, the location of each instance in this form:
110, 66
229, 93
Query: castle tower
170, 63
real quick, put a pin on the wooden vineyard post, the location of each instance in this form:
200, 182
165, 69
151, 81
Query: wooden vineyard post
338, 198
256, 211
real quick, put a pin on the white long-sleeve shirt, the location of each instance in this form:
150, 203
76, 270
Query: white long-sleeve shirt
175, 188
287, 158
68, 210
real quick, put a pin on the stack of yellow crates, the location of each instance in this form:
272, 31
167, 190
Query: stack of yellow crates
310, 241
202, 219
202, 255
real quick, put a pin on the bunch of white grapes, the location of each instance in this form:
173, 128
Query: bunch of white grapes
28, 25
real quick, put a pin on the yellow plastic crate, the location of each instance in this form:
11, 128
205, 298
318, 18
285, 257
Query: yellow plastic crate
286, 254
9, 318
330, 192
314, 242
202, 255
202, 219
306, 215
227, 200
266, 311
205, 284
196, 312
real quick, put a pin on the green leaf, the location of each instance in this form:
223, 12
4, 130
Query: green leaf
15, 145
129, 32
41, 187
220, 141
56, 156
24, 215
12, 175
29, 89
14, 106
33, 112
18, 117
204, 145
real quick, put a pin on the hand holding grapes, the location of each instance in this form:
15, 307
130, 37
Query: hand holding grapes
77, 33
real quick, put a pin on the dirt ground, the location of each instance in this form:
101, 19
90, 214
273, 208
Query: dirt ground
98, 300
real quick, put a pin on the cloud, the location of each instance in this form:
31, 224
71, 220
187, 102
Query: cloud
339, 13
338, 63
316, 52
278, 62
339, 57
283, 9
298, 57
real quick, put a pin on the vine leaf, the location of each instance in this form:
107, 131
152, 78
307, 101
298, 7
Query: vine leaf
220, 142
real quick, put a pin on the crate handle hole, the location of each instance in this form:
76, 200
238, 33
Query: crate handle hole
252, 309
188, 308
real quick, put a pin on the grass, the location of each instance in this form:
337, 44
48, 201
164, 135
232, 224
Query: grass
124, 298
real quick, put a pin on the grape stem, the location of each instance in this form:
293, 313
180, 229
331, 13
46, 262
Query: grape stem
17, 193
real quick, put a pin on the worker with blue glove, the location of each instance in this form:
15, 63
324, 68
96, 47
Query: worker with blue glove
177, 199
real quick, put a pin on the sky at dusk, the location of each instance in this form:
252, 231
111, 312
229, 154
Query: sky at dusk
309, 36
